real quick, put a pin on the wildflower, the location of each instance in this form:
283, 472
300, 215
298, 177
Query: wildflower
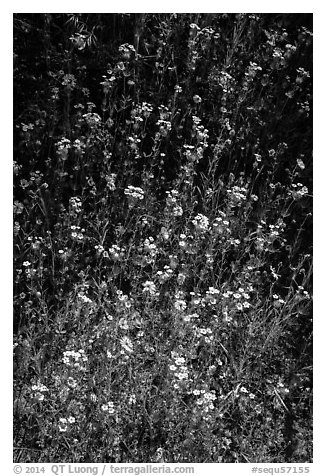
201, 222
299, 191
134, 192
71, 420
71, 382
126, 344
75, 205
165, 233
180, 305
92, 119
83, 298
127, 51
177, 211
183, 375
62, 424
180, 360
39, 396
132, 399
197, 99
164, 126
116, 252
181, 278
301, 164
243, 390
75, 359
164, 275
110, 181
69, 81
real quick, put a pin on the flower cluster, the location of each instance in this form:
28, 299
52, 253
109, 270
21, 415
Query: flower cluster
267, 234
205, 399
108, 407
110, 181
179, 303
180, 372
201, 136
201, 222
63, 147
165, 274
221, 226
127, 51
38, 391
126, 345
83, 298
124, 299
92, 119
150, 250
149, 287
108, 81
136, 193
204, 332
140, 112
164, 127
250, 74
64, 423
172, 203
238, 299
75, 359
116, 252
77, 233
69, 81
237, 195
211, 296
79, 146
298, 191
75, 205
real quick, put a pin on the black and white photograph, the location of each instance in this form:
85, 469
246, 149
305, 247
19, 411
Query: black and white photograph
162, 238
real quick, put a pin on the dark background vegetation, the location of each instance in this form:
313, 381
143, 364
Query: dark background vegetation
269, 114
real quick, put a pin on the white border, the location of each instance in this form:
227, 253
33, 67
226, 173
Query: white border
318, 9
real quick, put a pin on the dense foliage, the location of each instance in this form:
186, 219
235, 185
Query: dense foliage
162, 237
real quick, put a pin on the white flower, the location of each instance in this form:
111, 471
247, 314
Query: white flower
134, 192
243, 390
201, 222
126, 344
301, 164
149, 287
177, 211
180, 360
62, 424
180, 305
